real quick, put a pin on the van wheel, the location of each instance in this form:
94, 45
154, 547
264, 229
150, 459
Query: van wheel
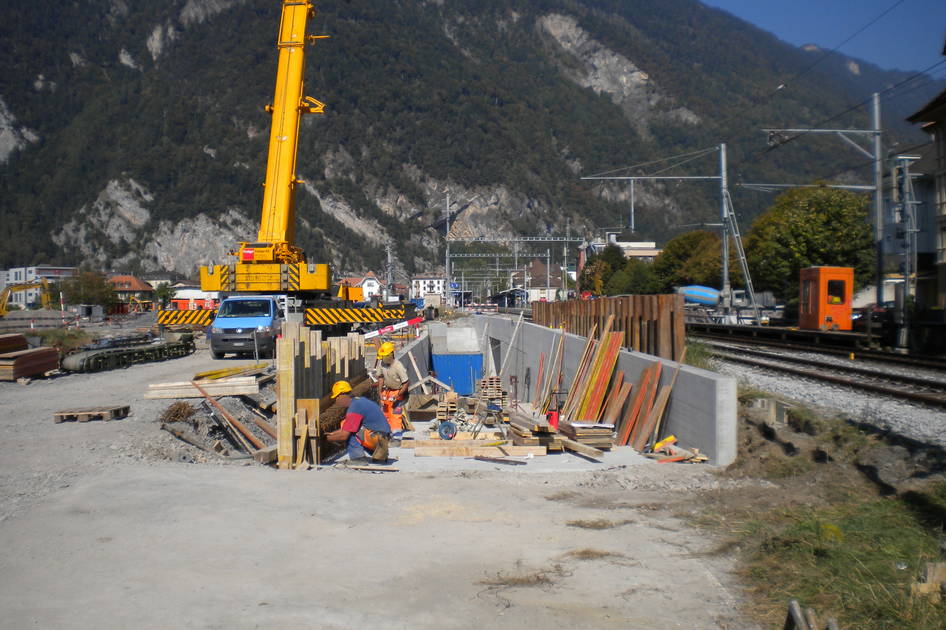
217, 355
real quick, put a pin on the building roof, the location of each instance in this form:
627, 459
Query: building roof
934, 111
356, 281
130, 283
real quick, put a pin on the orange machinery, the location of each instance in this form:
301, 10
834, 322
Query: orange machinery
825, 299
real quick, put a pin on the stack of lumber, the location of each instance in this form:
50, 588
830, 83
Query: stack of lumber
595, 435
446, 410
233, 386
588, 398
527, 431
26, 363
465, 444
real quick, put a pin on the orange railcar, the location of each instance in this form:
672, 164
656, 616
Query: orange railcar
825, 299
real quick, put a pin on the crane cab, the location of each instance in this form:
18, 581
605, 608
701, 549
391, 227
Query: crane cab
825, 298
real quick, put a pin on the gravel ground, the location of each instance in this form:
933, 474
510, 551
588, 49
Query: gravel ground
924, 424
113, 520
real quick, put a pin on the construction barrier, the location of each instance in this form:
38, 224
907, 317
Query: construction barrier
652, 324
201, 317
332, 316
417, 321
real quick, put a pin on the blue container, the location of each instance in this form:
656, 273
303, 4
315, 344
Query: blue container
700, 295
460, 371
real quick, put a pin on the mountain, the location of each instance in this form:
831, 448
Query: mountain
133, 135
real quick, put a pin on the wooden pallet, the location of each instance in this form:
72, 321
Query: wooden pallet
446, 411
91, 413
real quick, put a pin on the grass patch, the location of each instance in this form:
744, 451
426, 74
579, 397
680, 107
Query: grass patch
598, 523
540, 578
698, 354
593, 554
65, 340
854, 560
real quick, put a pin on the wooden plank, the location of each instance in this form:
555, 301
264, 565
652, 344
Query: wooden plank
472, 451
583, 449
286, 411
538, 380
664, 338
637, 434
639, 441
312, 409
421, 381
613, 413
596, 397
630, 419
673, 381
302, 421
454, 442
265, 455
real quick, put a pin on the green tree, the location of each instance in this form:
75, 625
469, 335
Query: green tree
89, 287
594, 276
635, 277
163, 294
694, 258
807, 227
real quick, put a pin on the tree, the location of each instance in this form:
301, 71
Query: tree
636, 278
163, 294
89, 287
694, 258
807, 227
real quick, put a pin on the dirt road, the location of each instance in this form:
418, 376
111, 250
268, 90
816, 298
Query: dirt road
104, 525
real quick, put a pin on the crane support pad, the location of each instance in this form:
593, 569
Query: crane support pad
329, 316
201, 317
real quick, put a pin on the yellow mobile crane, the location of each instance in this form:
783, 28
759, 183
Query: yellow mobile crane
273, 264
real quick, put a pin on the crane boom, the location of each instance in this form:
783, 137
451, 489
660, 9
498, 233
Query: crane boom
273, 263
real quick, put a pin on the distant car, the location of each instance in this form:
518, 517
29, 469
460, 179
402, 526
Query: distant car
878, 315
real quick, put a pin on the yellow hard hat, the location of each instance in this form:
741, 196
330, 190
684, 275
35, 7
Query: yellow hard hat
386, 348
341, 387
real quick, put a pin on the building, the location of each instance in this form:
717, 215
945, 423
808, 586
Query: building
20, 275
369, 284
425, 285
192, 298
645, 251
933, 119
127, 287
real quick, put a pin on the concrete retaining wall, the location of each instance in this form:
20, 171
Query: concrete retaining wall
702, 408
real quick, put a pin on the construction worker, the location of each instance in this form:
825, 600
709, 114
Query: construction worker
364, 428
392, 389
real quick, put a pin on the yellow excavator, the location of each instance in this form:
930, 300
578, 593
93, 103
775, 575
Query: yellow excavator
273, 265
10, 289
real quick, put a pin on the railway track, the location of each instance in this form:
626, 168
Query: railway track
838, 344
929, 390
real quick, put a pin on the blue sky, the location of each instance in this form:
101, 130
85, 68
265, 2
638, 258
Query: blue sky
910, 37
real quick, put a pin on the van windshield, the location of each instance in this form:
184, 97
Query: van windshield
245, 308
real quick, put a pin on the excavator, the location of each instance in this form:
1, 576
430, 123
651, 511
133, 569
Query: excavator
272, 264
10, 289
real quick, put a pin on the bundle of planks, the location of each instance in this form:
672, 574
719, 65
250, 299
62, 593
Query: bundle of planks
526, 431
17, 361
641, 424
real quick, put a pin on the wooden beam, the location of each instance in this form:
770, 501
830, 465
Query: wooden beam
583, 449
473, 451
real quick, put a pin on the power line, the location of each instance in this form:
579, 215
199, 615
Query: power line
825, 55
852, 108
698, 152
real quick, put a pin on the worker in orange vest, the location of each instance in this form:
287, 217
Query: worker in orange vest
392, 390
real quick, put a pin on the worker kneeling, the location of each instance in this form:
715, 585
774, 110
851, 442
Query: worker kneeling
364, 429
392, 389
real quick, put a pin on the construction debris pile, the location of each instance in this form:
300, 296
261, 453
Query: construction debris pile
597, 411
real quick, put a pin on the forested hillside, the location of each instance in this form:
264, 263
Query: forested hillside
133, 135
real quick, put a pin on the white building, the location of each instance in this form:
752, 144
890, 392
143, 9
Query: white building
20, 275
424, 285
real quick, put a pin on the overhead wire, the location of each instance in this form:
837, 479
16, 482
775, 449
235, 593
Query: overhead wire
651, 162
827, 54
